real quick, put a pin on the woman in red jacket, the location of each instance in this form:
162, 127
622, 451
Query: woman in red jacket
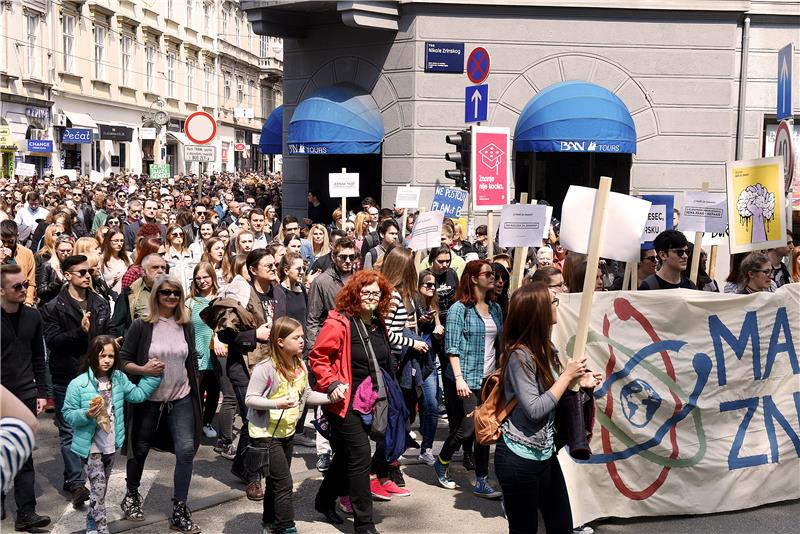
341, 361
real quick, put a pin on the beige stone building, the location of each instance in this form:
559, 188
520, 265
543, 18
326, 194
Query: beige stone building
86, 84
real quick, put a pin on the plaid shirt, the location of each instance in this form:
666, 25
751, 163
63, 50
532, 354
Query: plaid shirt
465, 336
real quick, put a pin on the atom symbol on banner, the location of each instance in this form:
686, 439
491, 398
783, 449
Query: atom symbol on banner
639, 402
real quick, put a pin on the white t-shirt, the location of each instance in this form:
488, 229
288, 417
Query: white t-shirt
489, 348
105, 442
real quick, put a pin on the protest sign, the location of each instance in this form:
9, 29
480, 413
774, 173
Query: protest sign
427, 232
71, 174
622, 230
343, 184
95, 177
25, 169
698, 408
756, 204
449, 201
521, 225
704, 212
407, 197
660, 216
160, 171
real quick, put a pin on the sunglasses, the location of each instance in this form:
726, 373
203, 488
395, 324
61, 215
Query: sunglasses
765, 271
429, 285
680, 252
346, 257
652, 259
170, 292
176, 234
487, 274
83, 272
22, 286
270, 266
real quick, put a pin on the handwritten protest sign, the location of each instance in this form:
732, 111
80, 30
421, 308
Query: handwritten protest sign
427, 232
660, 216
698, 408
449, 201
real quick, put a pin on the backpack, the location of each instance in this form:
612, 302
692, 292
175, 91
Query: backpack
493, 411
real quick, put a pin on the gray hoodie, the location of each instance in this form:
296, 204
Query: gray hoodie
321, 300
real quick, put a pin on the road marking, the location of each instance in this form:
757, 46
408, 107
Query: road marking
72, 519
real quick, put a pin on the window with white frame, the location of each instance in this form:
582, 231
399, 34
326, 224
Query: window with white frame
189, 9
225, 24
263, 46
170, 9
126, 48
68, 33
236, 24
32, 25
207, 18
100, 52
208, 76
190, 66
227, 89
249, 30
239, 90
171, 74
150, 66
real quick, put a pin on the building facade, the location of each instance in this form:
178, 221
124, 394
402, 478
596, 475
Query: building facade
106, 85
696, 79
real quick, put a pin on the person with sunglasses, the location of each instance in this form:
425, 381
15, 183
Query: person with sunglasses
49, 275
162, 343
23, 365
755, 274
12, 252
673, 253
75, 316
646, 267
472, 343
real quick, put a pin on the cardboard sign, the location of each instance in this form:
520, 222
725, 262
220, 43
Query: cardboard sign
160, 171
756, 204
343, 184
427, 232
704, 212
95, 177
491, 165
449, 200
522, 225
71, 174
25, 169
625, 220
660, 216
407, 197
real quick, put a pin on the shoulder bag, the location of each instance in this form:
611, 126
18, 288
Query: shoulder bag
380, 413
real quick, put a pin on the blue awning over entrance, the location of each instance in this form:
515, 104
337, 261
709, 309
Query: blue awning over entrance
272, 133
575, 116
337, 119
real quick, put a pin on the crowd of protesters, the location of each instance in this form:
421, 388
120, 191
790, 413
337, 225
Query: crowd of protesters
147, 314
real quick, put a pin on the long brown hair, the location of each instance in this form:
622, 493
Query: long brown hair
284, 364
465, 294
528, 328
107, 251
399, 269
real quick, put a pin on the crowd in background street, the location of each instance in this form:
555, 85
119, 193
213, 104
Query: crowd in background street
147, 314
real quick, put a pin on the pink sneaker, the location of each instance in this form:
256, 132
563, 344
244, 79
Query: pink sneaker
378, 491
393, 489
344, 505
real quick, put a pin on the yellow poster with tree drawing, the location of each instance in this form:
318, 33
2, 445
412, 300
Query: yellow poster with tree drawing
756, 204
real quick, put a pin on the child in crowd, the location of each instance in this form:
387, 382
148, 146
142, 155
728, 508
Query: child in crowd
276, 395
94, 407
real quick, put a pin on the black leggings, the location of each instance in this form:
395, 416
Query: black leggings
209, 385
465, 431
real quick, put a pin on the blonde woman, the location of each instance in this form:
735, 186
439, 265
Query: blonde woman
50, 278
320, 242
361, 228
163, 344
86, 245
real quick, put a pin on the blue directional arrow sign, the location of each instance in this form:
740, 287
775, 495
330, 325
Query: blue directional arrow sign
476, 103
785, 82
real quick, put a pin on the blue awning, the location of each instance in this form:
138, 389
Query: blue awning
272, 133
337, 119
575, 117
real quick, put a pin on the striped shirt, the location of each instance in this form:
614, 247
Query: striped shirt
396, 321
16, 446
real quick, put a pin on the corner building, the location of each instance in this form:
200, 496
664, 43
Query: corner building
645, 92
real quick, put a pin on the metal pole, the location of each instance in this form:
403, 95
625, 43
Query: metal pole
742, 88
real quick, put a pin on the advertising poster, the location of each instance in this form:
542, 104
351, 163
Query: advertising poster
491, 167
756, 204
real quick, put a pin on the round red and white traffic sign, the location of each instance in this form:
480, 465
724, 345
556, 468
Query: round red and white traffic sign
783, 148
200, 127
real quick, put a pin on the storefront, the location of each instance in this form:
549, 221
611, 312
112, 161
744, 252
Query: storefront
115, 147
28, 134
673, 74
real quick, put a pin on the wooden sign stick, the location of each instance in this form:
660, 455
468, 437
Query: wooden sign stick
593, 260
712, 262
698, 247
520, 253
490, 233
626, 278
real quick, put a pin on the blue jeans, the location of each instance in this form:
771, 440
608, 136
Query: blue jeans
73, 465
429, 410
180, 419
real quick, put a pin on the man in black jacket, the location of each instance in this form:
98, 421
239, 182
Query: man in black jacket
71, 319
24, 375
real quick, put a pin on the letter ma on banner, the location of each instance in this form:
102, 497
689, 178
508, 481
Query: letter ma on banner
491, 167
699, 408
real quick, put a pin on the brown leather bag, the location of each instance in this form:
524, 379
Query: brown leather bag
493, 411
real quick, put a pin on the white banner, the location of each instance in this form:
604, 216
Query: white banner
522, 225
698, 409
427, 232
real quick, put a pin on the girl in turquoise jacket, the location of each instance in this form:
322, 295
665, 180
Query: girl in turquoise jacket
94, 407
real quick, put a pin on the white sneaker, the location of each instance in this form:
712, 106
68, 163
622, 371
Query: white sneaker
427, 457
209, 431
583, 529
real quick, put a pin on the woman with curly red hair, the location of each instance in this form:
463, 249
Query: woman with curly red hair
341, 361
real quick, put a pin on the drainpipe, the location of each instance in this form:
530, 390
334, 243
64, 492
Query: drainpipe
743, 88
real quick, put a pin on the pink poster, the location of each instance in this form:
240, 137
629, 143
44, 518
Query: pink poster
490, 161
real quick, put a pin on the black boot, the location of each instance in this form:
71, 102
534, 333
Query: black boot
28, 520
132, 506
181, 519
469, 461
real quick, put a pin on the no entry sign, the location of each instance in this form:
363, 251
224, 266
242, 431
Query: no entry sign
200, 127
478, 65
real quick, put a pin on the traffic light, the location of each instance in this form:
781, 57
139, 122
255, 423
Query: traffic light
463, 143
